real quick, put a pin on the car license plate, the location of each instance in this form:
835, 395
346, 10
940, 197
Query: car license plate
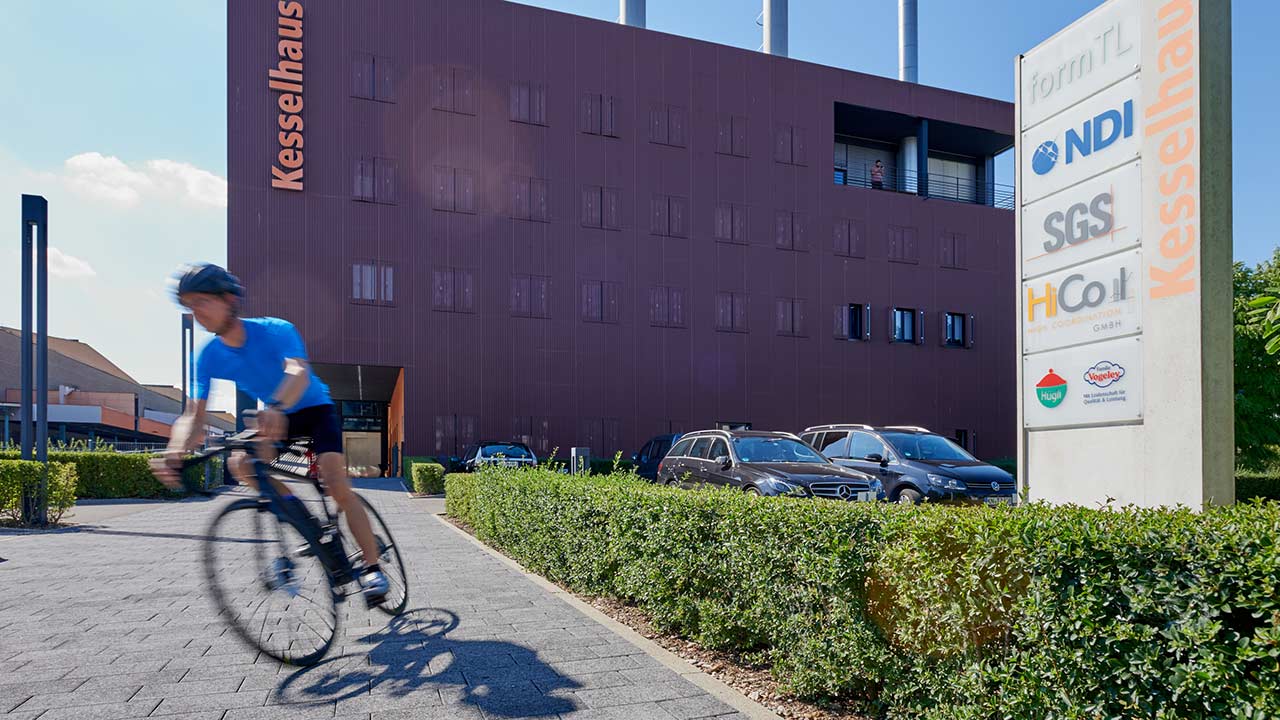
866, 496
998, 500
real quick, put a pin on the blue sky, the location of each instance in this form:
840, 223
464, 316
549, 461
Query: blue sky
116, 111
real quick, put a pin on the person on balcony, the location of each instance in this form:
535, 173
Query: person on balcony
877, 176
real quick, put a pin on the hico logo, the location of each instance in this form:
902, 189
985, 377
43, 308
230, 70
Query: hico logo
1073, 296
1079, 223
1096, 134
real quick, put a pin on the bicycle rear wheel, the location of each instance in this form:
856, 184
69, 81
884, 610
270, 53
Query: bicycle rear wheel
389, 559
275, 598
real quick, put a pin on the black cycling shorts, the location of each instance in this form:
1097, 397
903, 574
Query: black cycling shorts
320, 423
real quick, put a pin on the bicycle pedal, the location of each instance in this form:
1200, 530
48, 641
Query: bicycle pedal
304, 551
373, 601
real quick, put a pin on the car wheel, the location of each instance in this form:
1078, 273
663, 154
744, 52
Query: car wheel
673, 483
753, 490
909, 496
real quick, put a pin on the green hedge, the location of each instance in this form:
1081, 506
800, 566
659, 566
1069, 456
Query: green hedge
1266, 487
428, 478
929, 611
17, 476
408, 461
122, 475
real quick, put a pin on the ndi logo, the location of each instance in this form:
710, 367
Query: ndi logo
1104, 374
1045, 158
1096, 133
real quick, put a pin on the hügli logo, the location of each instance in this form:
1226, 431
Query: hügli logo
1072, 299
1097, 133
286, 79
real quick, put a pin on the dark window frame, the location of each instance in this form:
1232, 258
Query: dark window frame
382, 271
899, 328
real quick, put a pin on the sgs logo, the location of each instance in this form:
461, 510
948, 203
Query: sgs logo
1079, 223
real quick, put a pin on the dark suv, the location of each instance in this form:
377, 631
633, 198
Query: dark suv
913, 463
651, 454
763, 463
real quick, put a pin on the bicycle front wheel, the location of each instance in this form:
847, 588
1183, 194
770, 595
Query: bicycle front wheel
275, 593
389, 559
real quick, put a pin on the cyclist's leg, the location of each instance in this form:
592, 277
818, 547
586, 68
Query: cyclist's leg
242, 469
333, 471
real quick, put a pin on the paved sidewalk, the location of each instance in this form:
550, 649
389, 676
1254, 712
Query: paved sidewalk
112, 621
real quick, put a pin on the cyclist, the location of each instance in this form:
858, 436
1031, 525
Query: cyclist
265, 357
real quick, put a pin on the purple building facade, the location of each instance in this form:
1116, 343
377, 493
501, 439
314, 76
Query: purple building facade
520, 224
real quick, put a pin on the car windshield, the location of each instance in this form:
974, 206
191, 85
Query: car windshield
767, 449
933, 448
507, 451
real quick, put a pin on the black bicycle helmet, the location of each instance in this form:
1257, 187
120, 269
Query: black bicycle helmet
206, 278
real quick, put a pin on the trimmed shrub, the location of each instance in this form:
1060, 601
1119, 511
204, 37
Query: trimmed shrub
19, 476
1249, 487
428, 478
605, 466
408, 461
124, 475
929, 611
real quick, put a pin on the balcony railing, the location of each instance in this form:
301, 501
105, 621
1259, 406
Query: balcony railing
942, 187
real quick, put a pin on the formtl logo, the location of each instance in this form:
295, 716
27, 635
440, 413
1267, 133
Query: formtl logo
1051, 390
1097, 133
286, 79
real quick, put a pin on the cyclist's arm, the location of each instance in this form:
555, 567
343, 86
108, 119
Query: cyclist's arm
188, 430
297, 377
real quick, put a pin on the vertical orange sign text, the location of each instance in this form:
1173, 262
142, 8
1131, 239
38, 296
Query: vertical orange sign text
286, 79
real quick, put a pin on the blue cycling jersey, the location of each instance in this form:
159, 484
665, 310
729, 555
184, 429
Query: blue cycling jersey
257, 367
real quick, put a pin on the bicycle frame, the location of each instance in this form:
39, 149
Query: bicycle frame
323, 536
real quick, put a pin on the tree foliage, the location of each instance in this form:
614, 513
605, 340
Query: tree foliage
1257, 363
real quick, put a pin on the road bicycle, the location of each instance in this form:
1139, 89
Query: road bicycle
279, 572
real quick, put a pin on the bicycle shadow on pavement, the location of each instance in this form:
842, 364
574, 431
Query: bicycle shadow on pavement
413, 654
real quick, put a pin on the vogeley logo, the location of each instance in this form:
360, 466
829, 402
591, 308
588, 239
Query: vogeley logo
1104, 374
1097, 133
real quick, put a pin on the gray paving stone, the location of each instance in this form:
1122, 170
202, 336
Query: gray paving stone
226, 701
628, 694
111, 711
636, 711
100, 696
198, 687
699, 706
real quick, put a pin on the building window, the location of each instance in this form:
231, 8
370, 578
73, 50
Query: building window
731, 312
957, 330
902, 244
600, 301
529, 296
529, 199
964, 439
852, 321
453, 290
667, 124
790, 317
534, 431
846, 238
666, 307
601, 207
455, 433
529, 103
952, 249
668, 216
373, 78
373, 283
374, 180
454, 190
731, 223
598, 114
789, 145
453, 89
789, 231
602, 435
904, 325
732, 136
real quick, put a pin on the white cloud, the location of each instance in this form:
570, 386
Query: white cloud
68, 267
108, 178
